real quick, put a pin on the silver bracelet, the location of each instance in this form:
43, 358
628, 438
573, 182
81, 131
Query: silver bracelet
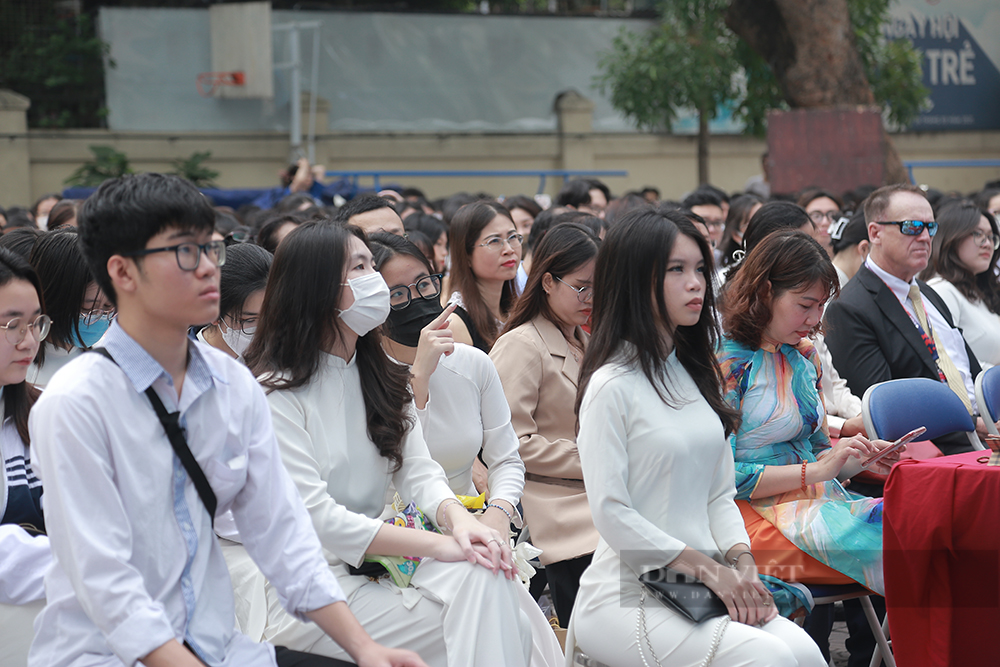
444, 511
736, 560
510, 519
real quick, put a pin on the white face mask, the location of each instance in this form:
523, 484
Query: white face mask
237, 341
371, 303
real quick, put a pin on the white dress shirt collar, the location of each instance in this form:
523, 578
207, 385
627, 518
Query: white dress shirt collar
143, 370
899, 287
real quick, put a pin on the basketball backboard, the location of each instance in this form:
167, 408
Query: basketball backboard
241, 42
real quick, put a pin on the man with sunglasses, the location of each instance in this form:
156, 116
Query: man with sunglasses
888, 325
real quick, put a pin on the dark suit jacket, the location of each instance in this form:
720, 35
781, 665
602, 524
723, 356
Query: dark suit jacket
872, 339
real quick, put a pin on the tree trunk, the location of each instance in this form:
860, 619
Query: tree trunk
702, 147
810, 46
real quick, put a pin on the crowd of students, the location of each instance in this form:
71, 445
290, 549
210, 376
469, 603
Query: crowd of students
303, 436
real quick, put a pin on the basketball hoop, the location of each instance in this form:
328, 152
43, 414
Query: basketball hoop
208, 81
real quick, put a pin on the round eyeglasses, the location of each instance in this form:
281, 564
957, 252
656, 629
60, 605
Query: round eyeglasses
817, 216
189, 254
94, 316
16, 329
914, 227
584, 294
496, 243
985, 240
428, 287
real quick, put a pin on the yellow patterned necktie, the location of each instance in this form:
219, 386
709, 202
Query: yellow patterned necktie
945, 365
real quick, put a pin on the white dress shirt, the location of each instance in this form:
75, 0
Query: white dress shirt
136, 561
467, 411
980, 326
950, 337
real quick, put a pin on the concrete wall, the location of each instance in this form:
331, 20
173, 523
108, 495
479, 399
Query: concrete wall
253, 159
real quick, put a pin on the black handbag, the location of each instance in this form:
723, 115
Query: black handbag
683, 594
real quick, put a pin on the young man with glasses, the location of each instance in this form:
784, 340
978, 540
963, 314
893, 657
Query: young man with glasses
141, 445
886, 323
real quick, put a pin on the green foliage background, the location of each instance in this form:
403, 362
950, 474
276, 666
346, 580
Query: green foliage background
57, 61
690, 58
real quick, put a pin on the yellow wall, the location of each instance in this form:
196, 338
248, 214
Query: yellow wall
254, 159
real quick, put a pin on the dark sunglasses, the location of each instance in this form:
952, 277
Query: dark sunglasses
914, 227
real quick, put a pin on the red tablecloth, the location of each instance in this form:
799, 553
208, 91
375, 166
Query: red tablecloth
942, 558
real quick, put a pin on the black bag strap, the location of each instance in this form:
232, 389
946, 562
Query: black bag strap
175, 434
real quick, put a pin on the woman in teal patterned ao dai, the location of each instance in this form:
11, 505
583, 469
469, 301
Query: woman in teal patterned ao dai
785, 464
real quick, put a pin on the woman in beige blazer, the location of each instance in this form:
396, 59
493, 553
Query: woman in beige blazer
538, 359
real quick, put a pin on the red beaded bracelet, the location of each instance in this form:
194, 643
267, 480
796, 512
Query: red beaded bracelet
804, 463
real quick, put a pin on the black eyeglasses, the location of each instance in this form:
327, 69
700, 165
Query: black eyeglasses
247, 326
189, 254
428, 287
914, 227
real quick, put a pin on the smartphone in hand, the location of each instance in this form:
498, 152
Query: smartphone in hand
912, 435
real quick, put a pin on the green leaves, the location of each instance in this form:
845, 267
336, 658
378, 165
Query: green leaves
685, 61
690, 59
893, 68
59, 66
193, 170
107, 163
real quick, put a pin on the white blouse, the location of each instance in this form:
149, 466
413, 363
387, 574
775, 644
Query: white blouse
980, 327
342, 478
55, 359
659, 478
24, 559
467, 411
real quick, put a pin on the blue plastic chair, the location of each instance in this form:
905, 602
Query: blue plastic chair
892, 409
988, 397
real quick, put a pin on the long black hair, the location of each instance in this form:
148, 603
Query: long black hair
956, 222
244, 273
631, 266
769, 218
385, 246
64, 275
739, 213
19, 398
299, 321
465, 229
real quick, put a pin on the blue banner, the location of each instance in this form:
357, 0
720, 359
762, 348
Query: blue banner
960, 44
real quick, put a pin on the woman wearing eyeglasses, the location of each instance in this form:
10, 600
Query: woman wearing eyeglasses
459, 402
824, 209
80, 312
538, 359
963, 255
485, 253
347, 434
24, 548
243, 278
456, 391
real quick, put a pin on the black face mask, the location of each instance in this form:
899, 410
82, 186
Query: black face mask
403, 326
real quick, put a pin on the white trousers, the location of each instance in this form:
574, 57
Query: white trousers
608, 635
16, 631
454, 614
